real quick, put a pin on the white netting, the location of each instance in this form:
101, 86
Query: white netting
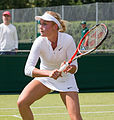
27, 27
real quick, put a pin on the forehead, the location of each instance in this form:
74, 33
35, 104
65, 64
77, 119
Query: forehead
41, 20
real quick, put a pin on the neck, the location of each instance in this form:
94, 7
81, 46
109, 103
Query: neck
6, 23
53, 38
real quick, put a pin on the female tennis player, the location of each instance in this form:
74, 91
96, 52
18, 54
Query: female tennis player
52, 47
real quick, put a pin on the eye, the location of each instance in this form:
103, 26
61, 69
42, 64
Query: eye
43, 23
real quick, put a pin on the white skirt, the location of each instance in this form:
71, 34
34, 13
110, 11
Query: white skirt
62, 84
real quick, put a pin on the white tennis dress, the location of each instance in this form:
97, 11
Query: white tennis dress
52, 59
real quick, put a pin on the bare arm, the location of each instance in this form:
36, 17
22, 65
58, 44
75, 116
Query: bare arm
46, 73
40, 73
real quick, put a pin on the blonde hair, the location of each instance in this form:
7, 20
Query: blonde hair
57, 16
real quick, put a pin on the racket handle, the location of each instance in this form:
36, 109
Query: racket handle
64, 66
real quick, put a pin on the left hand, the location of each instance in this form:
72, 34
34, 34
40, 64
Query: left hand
69, 68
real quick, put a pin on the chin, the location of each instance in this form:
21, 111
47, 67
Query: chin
43, 35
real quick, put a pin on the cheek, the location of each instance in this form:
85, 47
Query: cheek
6, 19
9, 18
48, 29
45, 30
3, 18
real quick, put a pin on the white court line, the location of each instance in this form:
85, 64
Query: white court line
50, 107
81, 113
61, 113
35, 107
63, 106
10, 116
16, 116
97, 112
6, 115
7, 108
96, 105
51, 114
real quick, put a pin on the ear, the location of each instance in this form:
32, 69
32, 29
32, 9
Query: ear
55, 26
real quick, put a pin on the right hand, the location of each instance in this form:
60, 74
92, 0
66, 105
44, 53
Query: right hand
55, 74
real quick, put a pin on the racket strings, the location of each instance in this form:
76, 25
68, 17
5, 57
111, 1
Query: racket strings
93, 39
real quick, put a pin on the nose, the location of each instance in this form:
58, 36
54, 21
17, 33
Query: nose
41, 26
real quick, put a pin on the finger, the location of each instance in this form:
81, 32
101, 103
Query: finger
63, 63
69, 68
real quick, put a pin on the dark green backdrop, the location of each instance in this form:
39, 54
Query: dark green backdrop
95, 73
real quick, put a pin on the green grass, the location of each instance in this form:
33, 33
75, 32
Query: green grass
94, 106
27, 30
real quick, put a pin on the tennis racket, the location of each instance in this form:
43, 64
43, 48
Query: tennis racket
89, 43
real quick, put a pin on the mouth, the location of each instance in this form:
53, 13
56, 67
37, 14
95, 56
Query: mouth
42, 32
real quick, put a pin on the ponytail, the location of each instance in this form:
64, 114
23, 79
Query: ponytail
63, 27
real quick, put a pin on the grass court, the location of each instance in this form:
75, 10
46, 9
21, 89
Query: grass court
94, 106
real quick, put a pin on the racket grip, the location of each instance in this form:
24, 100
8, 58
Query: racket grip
64, 66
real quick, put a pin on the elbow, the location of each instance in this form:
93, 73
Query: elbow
28, 71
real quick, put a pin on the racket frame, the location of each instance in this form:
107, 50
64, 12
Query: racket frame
74, 57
